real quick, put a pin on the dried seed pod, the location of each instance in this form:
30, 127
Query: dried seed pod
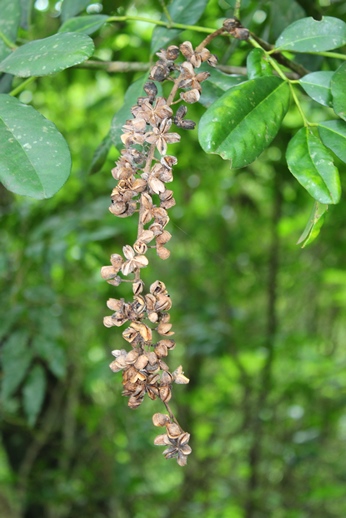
159, 72
162, 440
116, 261
131, 357
163, 238
191, 96
242, 33
163, 252
146, 236
142, 362
139, 185
212, 60
181, 112
160, 419
135, 402
130, 335
115, 304
166, 378
138, 287
108, 322
116, 281
158, 287
173, 430
143, 330
108, 272
187, 50
185, 124
165, 393
163, 303
231, 24
152, 358
172, 52
164, 329
161, 350
169, 161
151, 90
170, 344
153, 317
140, 247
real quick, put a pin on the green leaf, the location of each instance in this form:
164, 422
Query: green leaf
282, 14
86, 24
310, 35
33, 393
72, 7
16, 357
317, 86
244, 121
43, 57
100, 154
52, 353
217, 84
34, 157
26, 10
9, 24
244, 3
333, 135
314, 224
6, 81
257, 65
338, 87
186, 12
312, 165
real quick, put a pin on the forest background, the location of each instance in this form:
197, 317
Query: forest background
259, 321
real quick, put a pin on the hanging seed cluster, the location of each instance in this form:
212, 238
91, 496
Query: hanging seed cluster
142, 173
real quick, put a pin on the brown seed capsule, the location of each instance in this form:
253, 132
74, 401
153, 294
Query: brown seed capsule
164, 329
212, 60
159, 73
161, 350
160, 419
150, 89
108, 272
173, 430
231, 24
242, 33
115, 304
172, 52
140, 247
165, 393
191, 96
116, 261
162, 252
162, 440
116, 281
137, 287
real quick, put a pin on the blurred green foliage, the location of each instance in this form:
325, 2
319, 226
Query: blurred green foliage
260, 322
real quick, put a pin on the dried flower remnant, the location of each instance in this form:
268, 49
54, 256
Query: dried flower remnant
142, 172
